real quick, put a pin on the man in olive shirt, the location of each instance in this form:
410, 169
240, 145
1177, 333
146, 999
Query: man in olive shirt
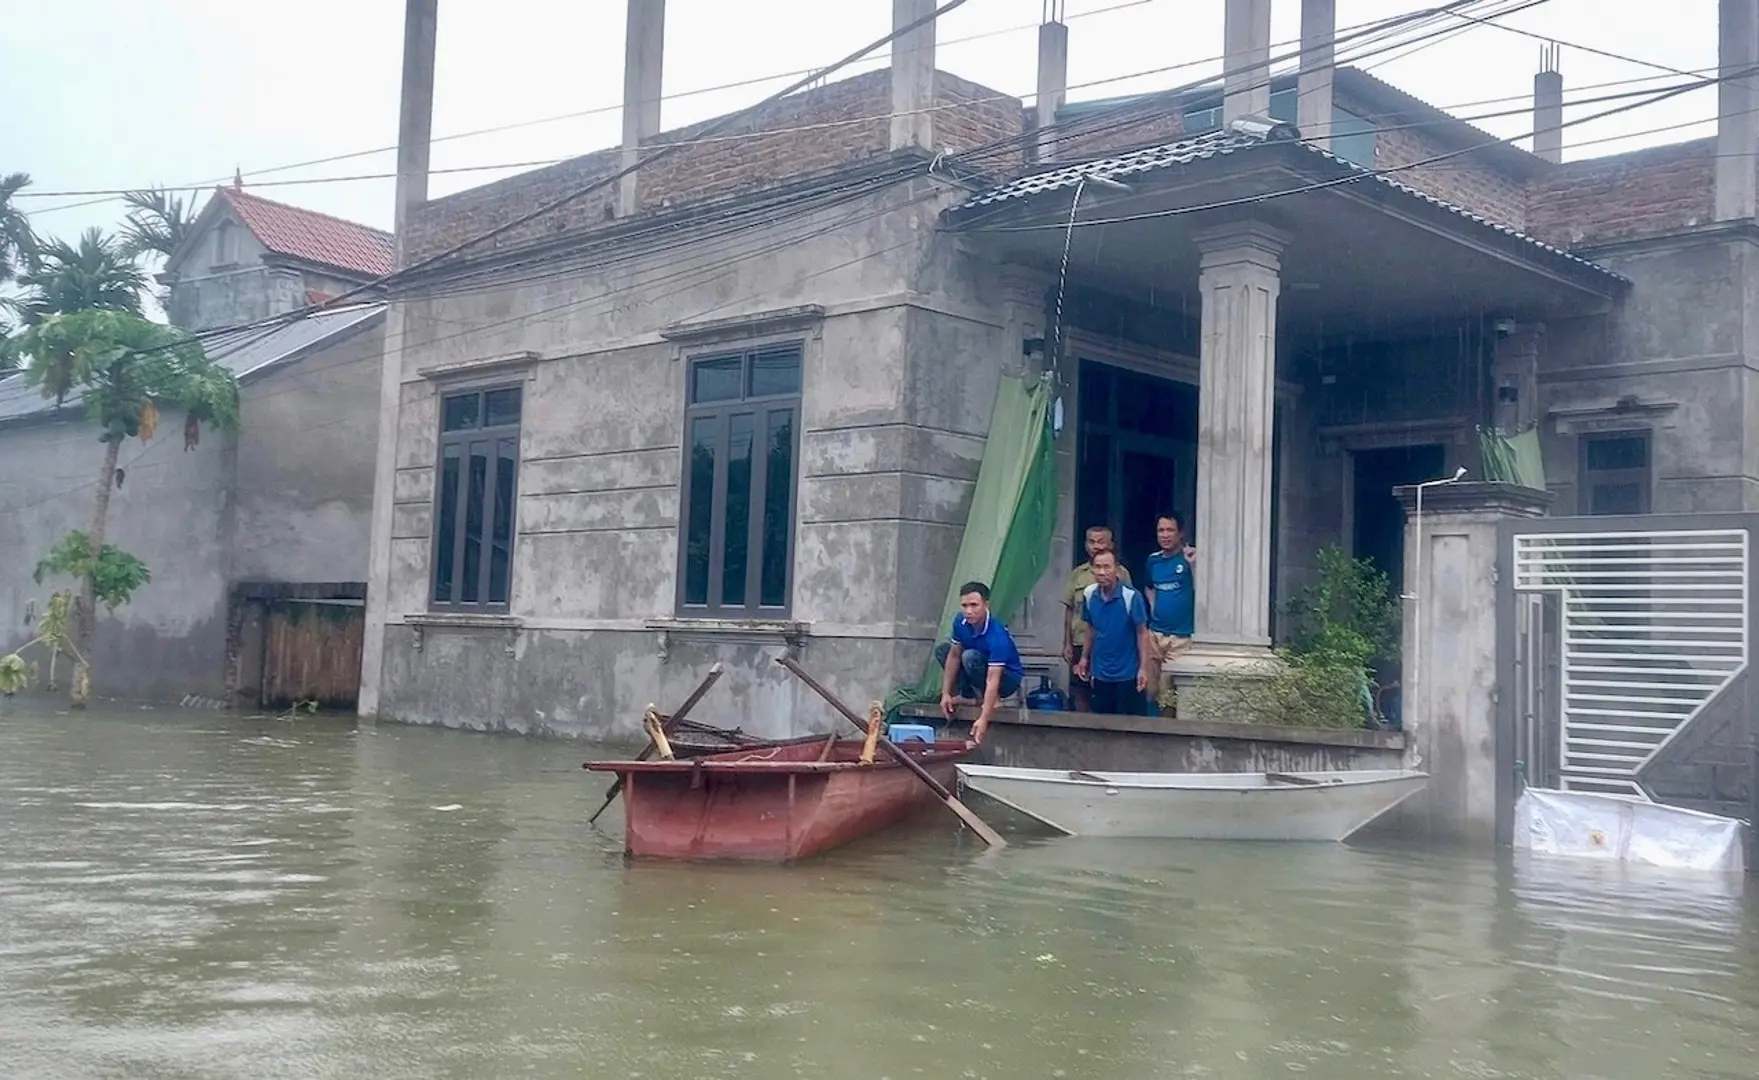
1076, 633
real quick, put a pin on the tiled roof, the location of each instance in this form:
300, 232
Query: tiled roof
1223, 142
310, 236
242, 352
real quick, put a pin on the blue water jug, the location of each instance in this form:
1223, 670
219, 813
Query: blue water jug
1046, 698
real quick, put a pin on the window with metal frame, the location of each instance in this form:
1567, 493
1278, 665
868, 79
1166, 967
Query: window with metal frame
1615, 474
741, 456
476, 491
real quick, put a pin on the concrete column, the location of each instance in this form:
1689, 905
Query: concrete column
1516, 370
1450, 674
1737, 123
1313, 109
913, 77
644, 47
1548, 109
1053, 81
414, 142
1240, 282
1246, 67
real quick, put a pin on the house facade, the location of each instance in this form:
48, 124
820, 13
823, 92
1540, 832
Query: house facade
256, 540
739, 402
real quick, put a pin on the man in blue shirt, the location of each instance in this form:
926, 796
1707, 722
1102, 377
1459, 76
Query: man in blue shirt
981, 661
1117, 661
1172, 597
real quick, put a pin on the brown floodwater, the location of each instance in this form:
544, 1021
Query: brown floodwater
202, 895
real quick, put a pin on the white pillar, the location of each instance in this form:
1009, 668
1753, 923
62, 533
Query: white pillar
1053, 82
913, 77
1548, 110
1737, 125
644, 48
1240, 280
1246, 68
414, 142
1313, 110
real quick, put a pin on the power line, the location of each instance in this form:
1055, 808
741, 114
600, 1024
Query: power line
110, 194
698, 140
107, 194
1356, 176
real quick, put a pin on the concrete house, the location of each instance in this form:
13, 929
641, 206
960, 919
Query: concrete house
739, 400
247, 535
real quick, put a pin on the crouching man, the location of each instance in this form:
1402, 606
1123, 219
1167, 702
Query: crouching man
981, 662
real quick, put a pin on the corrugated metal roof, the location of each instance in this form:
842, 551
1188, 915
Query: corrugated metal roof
1224, 142
241, 352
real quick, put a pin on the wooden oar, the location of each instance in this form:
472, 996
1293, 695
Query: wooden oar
670, 722
989, 835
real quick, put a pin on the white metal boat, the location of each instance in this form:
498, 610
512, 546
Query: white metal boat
1198, 806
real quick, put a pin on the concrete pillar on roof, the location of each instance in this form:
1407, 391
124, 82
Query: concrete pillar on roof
644, 48
1548, 108
913, 76
1737, 99
414, 141
1240, 280
1319, 32
1246, 67
1053, 75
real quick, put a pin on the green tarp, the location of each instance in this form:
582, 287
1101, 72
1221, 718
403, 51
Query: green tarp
1013, 512
1513, 459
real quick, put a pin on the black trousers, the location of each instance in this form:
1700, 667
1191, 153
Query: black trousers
1118, 698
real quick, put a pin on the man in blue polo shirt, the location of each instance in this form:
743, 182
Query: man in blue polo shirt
981, 661
1172, 597
1117, 662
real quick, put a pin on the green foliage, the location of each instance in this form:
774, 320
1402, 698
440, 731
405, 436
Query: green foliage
114, 574
92, 275
1348, 612
1340, 626
127, 370
18, 242
15, 674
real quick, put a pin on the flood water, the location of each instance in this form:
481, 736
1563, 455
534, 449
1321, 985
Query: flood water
201, 895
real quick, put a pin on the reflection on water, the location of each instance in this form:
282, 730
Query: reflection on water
202, 896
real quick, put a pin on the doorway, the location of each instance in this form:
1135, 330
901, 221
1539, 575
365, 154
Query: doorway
1136, 457
1377, 518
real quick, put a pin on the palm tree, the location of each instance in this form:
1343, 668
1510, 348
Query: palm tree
18, 242
126, 370
158, 221
94, 276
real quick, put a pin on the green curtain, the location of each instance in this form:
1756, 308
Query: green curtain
1013, 512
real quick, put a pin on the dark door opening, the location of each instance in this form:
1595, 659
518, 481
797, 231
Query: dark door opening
1136, 457
1377, 518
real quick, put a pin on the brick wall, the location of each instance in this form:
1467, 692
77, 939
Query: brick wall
969, 116
1473, 185
815, 131
1148, 122
1647, 192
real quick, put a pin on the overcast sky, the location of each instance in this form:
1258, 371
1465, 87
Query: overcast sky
106, 94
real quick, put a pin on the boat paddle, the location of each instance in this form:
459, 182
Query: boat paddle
977, 824
666, 726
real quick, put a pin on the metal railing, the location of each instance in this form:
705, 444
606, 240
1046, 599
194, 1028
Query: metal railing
1654, 624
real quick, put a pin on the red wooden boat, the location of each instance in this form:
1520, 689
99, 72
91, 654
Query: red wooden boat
773, 804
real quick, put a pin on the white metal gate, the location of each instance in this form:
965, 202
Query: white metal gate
1651, 626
